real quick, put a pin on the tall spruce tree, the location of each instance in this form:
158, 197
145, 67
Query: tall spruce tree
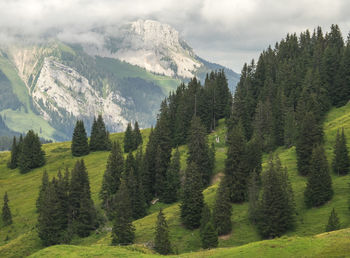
209, 236
222, 209
123, 232
192, 197
128, 139
236, 169
99, 139
32, 156
82, 210
111, 177
319, 183
206, 217
161, 241
80, 145
6, 212
276, 212
198, 150
43, 186
15, 152
253, 196
333, 222
172, 183
137, 137
310, 134
341, 162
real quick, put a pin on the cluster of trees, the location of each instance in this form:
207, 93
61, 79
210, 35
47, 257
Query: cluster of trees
132, 138
65, 206
99, 139
27, 153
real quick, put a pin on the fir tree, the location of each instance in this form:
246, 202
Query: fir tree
333, 222
6, 212
276, 210
80, 146
137, 137
32, 156
99, 139
319, 184
173, 183
236, 169
123, 232
161, 241
44, 184
341, 160
15, 152
192, 197
198, 150
82, 210
206, 217
111, 177
209, 236
222, 209
128, 139
253, 196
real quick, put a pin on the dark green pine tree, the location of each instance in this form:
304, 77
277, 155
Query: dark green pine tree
198, 150
319, 183
209, 236
82, 210
15, 152
173, 183
253, 197
341, 160
310, 134
50, 227
6, 212
162, 243
160, 175
128, 139
80, 145
32, 156
236, 169
333, 222
206, 217
44, 184
222, 209
137, 137
192, 197
99, 139
276, 210
111, 177
123, 232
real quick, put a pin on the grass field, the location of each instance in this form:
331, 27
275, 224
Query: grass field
20, 239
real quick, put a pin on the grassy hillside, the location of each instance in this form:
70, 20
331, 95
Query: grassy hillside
23, 190
333, 244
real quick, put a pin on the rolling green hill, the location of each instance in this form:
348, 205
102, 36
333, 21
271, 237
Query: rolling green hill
20, 239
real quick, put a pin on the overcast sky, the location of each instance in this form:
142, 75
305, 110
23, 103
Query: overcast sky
227, 32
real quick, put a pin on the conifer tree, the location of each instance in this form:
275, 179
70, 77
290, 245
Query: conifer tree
123, 232
206, 217
209, 236
128, 139
192, 197
253, 196
172, 184
310, 134
15, 152
333, 222
160, 175
319, 183
80, 145
82, 210
276, 210
6, 212
161, 241
44, 184
99, 139
222, 209
341, 160
236, 169
198, 150
136, 135
32, 156
111, 177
